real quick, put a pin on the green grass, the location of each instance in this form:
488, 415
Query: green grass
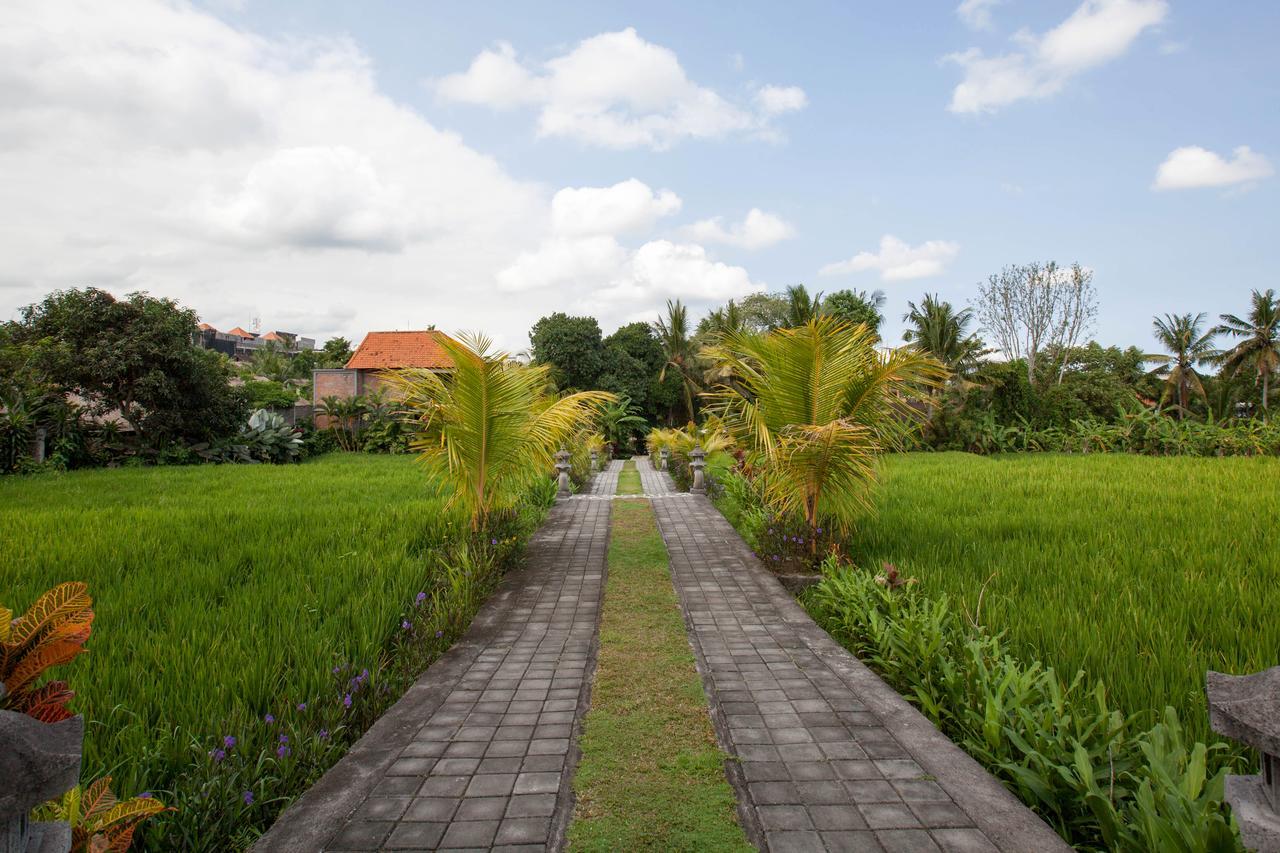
1143, 571
651, 776
222, 593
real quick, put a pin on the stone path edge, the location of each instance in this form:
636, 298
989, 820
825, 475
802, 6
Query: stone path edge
314, 818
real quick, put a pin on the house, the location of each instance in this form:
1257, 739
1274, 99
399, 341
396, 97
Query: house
240, 344
378, 354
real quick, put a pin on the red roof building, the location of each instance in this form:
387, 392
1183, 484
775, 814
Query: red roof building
398, 350
241, 333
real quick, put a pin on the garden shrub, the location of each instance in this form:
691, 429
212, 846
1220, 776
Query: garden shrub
1100, 779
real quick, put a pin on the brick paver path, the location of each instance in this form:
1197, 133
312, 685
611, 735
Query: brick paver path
829, 757
480, 752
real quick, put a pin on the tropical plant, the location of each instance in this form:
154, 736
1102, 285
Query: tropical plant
679, 350
1259, 349
801, 307
1190, 344
344, 414
100, 823
814, 407
490, 429
53, 631
619, 420
856, 306
943, 333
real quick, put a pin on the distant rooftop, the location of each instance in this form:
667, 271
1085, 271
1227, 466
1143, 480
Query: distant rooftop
395, 350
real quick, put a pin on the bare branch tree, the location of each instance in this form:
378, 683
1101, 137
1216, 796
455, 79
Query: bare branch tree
1033, 308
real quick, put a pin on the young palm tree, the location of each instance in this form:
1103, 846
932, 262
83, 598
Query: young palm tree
618, 419
943, 333
729, 318
678, 349
1260, 347
1184, 336
801, 308
490, 428
814, 407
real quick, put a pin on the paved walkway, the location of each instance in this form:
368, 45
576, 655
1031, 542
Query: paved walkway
480, 752
829, 756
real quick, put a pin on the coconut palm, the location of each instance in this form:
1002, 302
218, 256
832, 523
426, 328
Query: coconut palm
729, 318
943, 333
814, 407
619, 419
1185, 338
1260, 348
679, 350
801, 308
490, 429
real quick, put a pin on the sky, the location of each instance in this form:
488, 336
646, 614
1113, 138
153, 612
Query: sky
333, 168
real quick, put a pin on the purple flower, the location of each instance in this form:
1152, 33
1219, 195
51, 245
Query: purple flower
248, 798
302, 706
337, 669
322, 734
217, 754
284, 738
229, 741
493, 541
346, 701
439, 634
268, 719
775, 556
282, 751
145, 795
421, 597
819, 529
405, 625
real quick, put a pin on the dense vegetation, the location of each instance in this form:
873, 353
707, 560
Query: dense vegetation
252, 621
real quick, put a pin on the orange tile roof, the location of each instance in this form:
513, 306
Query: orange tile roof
392, 350
239, 332
272, 336
205, 327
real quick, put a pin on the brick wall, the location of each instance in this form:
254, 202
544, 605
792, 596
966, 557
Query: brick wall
331, 383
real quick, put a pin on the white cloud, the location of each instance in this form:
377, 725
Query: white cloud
757, 231
976, 14
1194, 167
146, 145
627, 206
775, 100
614, 90
898, 261
1097, 32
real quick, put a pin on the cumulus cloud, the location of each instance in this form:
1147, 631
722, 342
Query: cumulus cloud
615, 90
1193, 167
758, 230
1097, 32
628, 206
976, 14
898, 261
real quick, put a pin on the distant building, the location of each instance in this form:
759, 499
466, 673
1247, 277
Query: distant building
241, 344
378, 354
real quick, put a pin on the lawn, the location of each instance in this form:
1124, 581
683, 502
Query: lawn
1143, 571
222, 593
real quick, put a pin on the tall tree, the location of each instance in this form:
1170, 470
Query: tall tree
679, 350
1259, 348
942, 332
856, 306
801, 307
337, 352
571, 347
1189, 344
1034, 307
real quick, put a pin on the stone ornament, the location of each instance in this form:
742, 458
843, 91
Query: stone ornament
1246, 708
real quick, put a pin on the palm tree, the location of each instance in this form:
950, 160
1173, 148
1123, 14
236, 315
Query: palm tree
801, 308
729, 318
618, 418
490, 429
1260, 347
814, 407
943, 333
1184, 336
678, 349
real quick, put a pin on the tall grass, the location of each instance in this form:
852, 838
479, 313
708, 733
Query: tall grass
1144, 572
223, 594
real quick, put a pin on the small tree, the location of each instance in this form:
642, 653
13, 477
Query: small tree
1033, 307
1183, 335
856, 306
1259, 349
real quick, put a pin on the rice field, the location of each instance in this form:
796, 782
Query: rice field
222, 593
1143, 571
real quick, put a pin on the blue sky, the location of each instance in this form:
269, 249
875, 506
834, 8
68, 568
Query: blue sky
1055, 158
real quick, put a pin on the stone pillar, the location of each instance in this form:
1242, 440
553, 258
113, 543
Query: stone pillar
697, 461
38, 440
662, 459
38, 762
595, 461
1246, 708
562, 465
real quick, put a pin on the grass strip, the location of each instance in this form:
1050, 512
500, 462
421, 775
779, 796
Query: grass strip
651, 775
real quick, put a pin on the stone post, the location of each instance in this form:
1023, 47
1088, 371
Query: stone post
38, 443
1246, 708
662, 459
38, 762
697, 462
595, 461
562, 465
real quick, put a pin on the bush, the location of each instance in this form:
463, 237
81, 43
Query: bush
1086, 769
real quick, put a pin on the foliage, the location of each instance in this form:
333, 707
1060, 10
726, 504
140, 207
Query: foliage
134, 356
492, 429
344, 414
943, 333
99, 822
814, 407
1184, 336
337, 352
1259, 348
1096, 776
287, 572
269, 394
620, 421
570, 347
52, 632
856, 306
801, 307
679, 352
633, 361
